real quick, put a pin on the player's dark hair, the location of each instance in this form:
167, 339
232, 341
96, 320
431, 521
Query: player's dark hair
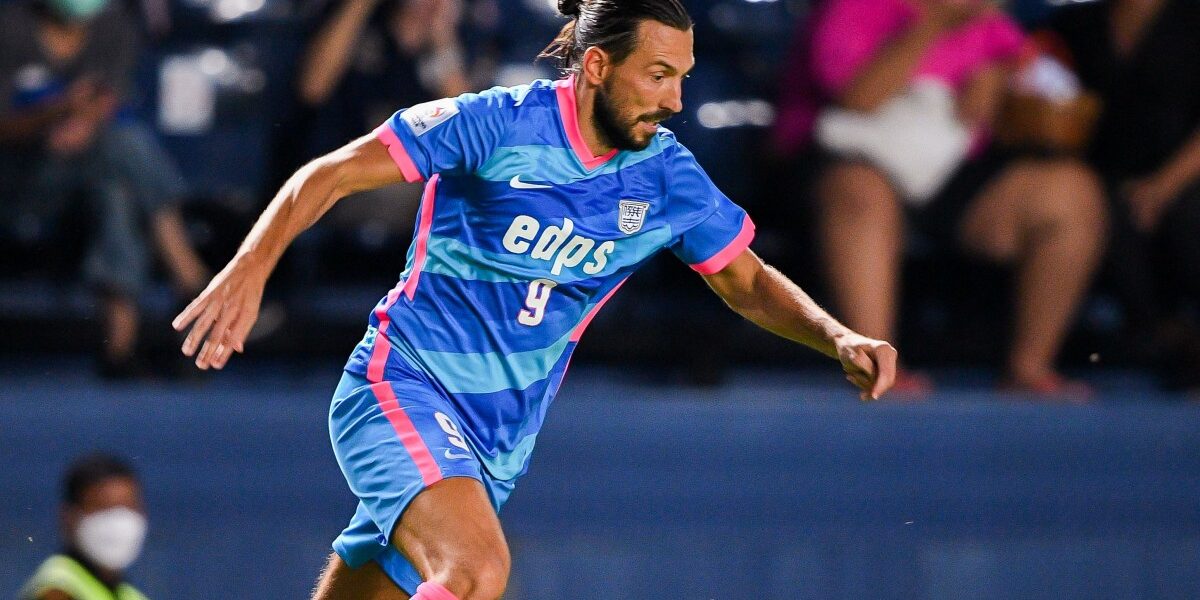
611, 25
91, 470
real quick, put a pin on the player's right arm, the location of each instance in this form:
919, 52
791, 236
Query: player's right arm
222, 315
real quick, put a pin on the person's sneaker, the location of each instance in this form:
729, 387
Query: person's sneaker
1050, 386
911, 385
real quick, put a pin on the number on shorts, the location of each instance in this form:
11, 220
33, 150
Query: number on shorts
451, 430
535, 302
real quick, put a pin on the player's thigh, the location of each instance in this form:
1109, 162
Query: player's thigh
341, 582
451, 531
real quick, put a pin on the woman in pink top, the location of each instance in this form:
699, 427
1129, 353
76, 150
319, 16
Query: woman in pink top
1044, 217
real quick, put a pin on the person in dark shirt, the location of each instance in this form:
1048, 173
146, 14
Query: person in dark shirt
65, 73
1141, 57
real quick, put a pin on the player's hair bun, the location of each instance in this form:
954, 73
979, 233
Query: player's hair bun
569, 8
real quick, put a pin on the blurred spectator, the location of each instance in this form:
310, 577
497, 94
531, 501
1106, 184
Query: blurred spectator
103, 526
365, 60
66, 148
901, 96
370, 57
1140, 56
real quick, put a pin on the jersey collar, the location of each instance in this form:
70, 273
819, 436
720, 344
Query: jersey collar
565, 89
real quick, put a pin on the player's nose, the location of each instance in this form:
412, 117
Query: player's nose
673, 100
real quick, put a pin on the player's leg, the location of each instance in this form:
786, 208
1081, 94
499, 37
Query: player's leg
451, 534
424, 515
1047, 218
368, 582
861, 224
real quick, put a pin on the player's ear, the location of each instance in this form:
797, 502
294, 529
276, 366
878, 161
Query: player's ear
596, 65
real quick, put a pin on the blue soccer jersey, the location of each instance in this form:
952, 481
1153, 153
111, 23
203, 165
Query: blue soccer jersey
521, 237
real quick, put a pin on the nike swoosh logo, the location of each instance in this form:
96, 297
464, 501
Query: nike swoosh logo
453, 456
521, 185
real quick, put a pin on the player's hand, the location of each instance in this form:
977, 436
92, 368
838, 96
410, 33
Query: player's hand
222, 315
869, 364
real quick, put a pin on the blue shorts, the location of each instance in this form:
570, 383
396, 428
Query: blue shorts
392, 440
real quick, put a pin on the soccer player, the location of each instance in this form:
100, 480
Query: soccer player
540, 200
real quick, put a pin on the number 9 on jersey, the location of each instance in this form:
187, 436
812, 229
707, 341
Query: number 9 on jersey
535, 302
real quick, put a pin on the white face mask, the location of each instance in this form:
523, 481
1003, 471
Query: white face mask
112, 538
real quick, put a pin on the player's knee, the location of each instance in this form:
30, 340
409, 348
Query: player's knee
482, 577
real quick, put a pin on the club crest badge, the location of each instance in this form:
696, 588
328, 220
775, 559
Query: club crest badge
631, 215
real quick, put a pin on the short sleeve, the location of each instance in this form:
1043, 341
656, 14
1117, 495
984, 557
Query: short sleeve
1005, 38
451, 135
714, 230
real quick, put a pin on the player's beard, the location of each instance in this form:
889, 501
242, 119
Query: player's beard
618, 133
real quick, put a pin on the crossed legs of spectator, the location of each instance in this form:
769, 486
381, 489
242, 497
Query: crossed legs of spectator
1045, 218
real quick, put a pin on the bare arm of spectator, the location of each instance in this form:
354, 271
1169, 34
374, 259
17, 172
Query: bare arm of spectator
1150, 196
222, 315
979, 103
891, 67
79, 127
78, 111
20, 126
329, 54
447, 48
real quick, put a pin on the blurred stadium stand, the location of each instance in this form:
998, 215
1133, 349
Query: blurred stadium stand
221, 81
220, 84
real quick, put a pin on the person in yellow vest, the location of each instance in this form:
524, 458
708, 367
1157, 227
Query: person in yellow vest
104, 525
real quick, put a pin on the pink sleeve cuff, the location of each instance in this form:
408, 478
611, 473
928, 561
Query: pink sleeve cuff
721, 259
399, 155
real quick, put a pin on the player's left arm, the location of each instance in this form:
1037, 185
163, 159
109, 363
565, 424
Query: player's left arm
770, 300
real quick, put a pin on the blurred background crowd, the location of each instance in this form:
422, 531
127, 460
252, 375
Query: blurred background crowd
1008, 186
1010, 191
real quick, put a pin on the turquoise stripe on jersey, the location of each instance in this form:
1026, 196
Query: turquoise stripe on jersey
508, 466
450, 257
487, 372
558, 166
